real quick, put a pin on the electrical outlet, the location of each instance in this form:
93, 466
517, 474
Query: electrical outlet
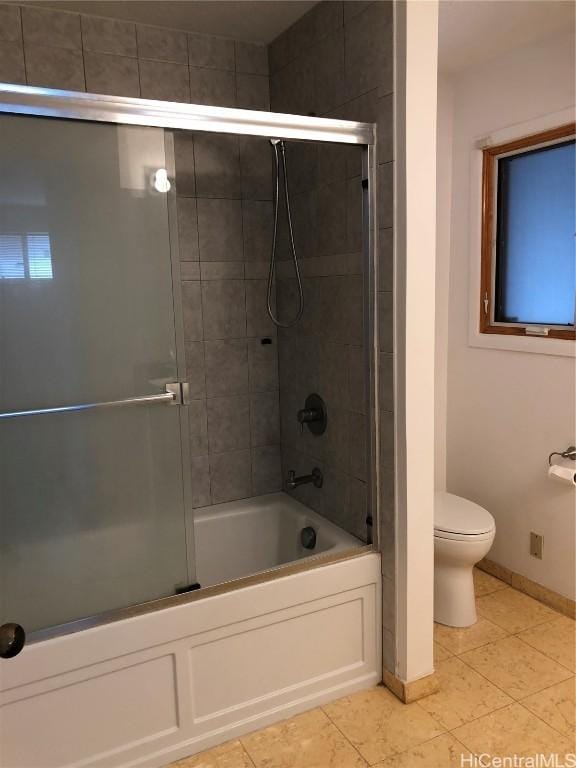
536, 545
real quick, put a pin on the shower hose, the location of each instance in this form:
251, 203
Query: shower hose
275, 144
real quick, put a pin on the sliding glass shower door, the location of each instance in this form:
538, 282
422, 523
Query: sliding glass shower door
92, 500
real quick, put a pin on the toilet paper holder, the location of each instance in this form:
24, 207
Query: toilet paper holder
569, 453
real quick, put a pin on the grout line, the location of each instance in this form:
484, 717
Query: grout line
567, 737
341, 732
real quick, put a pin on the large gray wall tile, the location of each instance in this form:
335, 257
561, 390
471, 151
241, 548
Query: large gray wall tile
385, 260
164, 81
200, 481
108, 36
48, 27
10, 23
12, 63
263, 365
251, 58
257, 221
162, 44
217, 164
189, 270
222, 270
256, 168
386, 320
115, 75
195, 368
266, 469
198, 425
228, 423
224, 309
187, 229
226, 367
385, 195
54, 67
220, 230
264, 418
213, 87
192, 311
184, 159
329, 72
368, 47
230, 476
258, 322
252, 92
211, 52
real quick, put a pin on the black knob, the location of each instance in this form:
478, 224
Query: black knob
12, 639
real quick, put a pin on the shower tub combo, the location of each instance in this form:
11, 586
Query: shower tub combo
156, 627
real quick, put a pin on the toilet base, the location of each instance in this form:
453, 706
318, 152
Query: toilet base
454, 599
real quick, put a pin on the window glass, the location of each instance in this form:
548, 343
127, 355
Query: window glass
535, 249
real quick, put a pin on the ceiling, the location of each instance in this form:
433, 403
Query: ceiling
472, 31
257, 21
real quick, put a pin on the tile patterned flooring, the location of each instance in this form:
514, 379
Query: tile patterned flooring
507, 686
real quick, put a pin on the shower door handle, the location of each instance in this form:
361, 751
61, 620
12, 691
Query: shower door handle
12, 639
174, 393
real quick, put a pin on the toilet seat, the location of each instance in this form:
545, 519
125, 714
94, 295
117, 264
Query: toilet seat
460, 519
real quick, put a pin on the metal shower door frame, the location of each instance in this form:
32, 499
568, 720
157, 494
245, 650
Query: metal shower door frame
72, 105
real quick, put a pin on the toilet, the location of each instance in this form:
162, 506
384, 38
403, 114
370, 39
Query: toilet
463, 535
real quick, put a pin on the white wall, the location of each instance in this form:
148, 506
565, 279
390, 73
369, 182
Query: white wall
506, 411
415, 246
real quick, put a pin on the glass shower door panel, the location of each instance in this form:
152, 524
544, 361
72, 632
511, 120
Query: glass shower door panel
91, 502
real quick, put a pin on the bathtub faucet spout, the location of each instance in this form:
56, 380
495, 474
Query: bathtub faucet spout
315, 477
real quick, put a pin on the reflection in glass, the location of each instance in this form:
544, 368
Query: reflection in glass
25, 256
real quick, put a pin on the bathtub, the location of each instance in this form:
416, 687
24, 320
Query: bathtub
240, 538
184, 674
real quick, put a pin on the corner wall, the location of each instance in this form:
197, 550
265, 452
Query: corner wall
506, 411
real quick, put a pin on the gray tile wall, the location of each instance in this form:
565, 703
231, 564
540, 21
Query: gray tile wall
58, 49
337, 61
224, 220
224, 216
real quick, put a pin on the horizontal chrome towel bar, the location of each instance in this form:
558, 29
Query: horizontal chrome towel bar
173, 394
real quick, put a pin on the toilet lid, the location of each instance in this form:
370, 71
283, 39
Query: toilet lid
454, 514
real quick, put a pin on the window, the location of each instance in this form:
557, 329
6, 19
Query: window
528, 281
25, 256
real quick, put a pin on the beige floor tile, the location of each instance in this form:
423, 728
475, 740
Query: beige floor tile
515, 667
511, 731
310, 740
441, 653
556, 639
459, 640
513, 611
464, 695
230, 755
556, 706
442, 752
379, 725
485, 584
